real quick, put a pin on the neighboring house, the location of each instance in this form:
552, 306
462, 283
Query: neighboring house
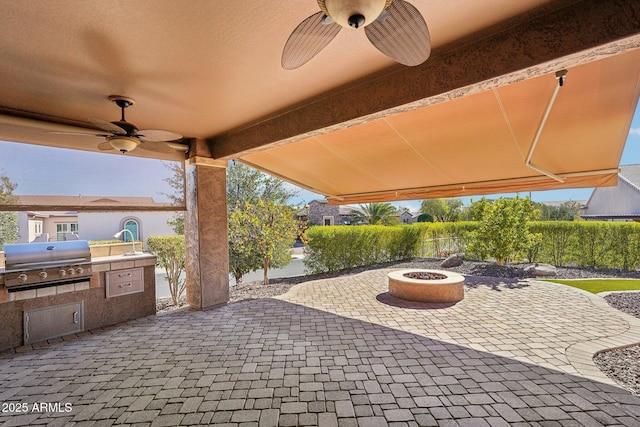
619, 203
319, 212
407, 217
90, 225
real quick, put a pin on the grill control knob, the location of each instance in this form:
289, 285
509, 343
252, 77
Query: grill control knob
80, 270
71, 272
22, 277
43, 274
62, 273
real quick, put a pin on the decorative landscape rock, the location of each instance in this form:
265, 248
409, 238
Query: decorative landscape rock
541, 270
454, 260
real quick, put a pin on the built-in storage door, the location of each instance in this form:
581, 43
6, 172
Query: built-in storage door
51, 322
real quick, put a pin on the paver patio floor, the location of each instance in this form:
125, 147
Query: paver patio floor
339, 352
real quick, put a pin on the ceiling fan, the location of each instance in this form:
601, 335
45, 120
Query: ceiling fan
394, 27
124, 136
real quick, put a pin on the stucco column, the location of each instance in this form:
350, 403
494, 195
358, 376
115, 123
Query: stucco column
206, 233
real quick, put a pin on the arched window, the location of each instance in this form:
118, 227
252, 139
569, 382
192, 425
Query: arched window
133, 226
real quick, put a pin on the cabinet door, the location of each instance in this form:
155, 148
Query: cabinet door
50, 322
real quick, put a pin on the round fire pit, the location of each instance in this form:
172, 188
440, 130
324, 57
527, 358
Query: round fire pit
426, 285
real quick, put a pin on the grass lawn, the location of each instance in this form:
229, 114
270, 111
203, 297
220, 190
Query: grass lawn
602, 285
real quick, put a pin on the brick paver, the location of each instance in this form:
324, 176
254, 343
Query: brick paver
338, 352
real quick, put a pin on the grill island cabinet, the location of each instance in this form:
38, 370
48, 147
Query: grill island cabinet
124, 282
32, 314
49, 322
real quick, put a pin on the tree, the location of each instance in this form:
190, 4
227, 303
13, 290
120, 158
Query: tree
375, 213
503, 231
442, 210
8, 220
247, 185
260, 236
262, 228
170, 254
567, 211
177, 198
425, 218
476, 211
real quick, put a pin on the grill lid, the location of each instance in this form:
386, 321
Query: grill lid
44, 254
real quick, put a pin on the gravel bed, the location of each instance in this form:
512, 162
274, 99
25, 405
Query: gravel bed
621, 365
628, 302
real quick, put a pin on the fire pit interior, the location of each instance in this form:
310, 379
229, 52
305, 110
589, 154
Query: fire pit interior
426, 285
424, 275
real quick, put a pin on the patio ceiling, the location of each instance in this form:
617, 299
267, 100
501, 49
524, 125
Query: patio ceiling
211, 71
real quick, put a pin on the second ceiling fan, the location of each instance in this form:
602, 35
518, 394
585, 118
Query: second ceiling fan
395, 27
124, 136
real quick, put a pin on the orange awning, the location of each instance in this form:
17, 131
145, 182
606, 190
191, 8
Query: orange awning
478, 144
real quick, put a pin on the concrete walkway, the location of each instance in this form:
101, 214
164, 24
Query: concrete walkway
337, 352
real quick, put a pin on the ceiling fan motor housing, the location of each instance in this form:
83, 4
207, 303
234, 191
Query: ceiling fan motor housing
129, 128
353, 13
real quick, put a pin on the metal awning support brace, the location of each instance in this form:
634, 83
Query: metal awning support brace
560, 75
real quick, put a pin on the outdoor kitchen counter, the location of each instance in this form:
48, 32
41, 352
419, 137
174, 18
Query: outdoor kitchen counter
118, 262
121, 288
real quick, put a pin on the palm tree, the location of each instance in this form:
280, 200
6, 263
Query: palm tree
375, 213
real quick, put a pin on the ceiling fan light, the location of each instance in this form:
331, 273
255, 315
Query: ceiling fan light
342, 10
124, 144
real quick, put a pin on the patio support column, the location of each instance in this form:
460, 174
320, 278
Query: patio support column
207, 250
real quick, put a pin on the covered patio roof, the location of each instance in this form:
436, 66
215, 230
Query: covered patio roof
351, 123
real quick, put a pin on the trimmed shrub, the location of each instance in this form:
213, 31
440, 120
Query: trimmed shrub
334, 248
557, 240
606, 245
106, 242
561, 243
591, 245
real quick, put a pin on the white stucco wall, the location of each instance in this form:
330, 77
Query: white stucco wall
103, 225
23, 228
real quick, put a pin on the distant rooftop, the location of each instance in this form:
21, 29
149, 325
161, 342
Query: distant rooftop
631, 174
89, 201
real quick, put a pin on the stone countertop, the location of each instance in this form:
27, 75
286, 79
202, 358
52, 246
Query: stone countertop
117, 258
132, 260
119, 262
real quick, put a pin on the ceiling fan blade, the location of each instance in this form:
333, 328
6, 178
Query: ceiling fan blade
88, 133
108, 126
156, 147
177, 146
105, 146
307, 40
403, 35
157, 135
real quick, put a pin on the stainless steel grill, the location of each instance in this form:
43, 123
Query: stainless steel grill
37, 265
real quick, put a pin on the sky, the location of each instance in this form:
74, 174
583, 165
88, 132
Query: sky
45, 170
40, 170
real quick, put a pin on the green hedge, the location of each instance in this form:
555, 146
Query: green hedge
564, 243
335, 248
595, 244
